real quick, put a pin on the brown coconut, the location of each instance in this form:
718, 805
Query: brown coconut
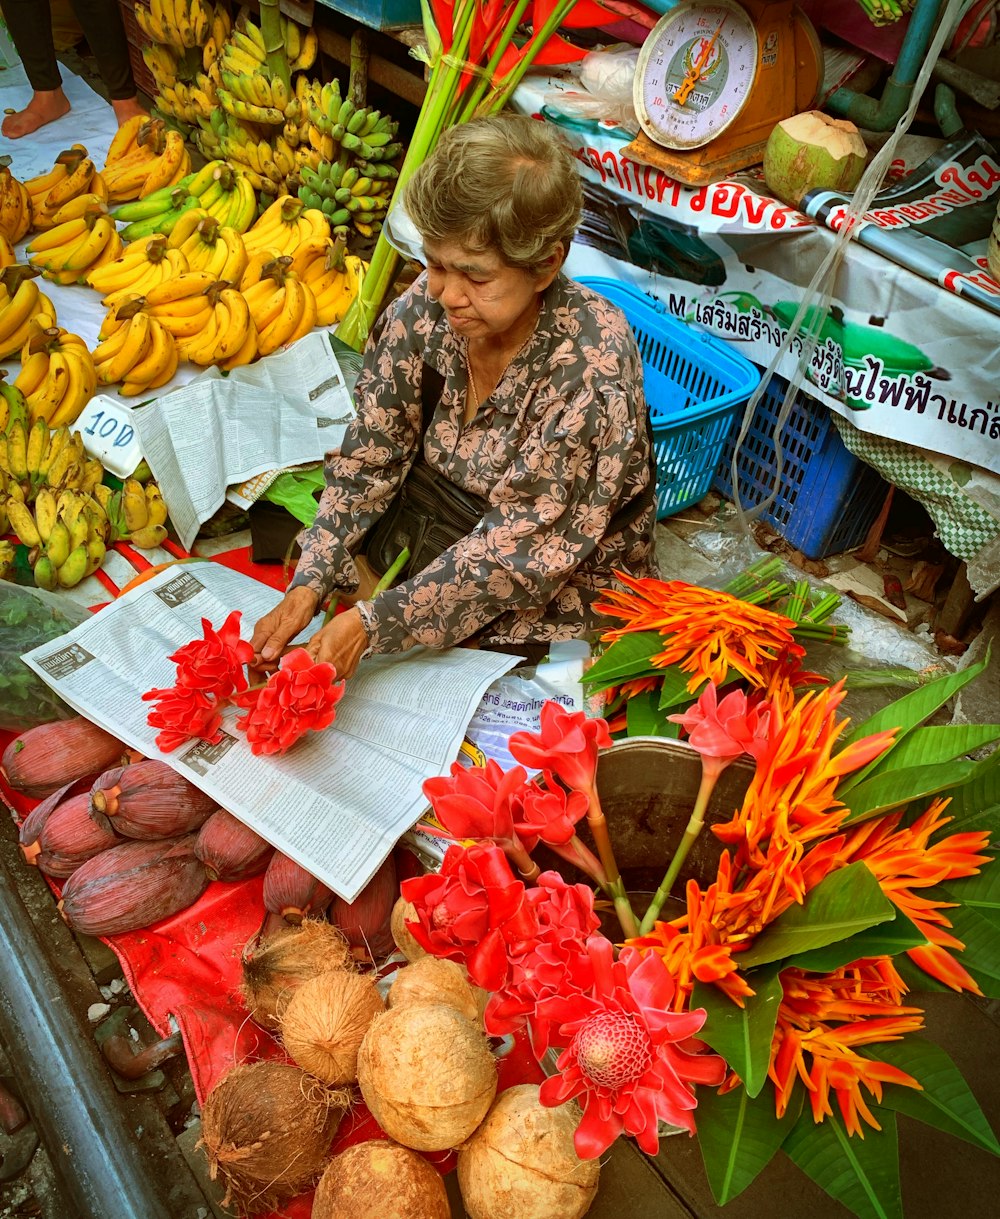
407, 945
274, 966
431, 980
427, 1075
380, 1180
521, 1163
812, 151
266, 1129
325, 1021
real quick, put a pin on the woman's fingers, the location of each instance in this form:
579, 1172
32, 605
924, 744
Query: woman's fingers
275, 629
340, 643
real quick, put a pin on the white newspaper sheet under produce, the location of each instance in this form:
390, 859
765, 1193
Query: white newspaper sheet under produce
287, 410
339, 800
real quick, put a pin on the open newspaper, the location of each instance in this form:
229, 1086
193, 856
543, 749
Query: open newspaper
287, 410
339, 800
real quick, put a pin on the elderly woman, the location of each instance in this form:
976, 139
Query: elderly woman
497, 375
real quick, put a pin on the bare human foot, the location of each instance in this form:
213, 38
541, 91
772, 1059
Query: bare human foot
45, 107
126, 108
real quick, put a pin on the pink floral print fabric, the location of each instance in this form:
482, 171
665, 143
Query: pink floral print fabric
556, 450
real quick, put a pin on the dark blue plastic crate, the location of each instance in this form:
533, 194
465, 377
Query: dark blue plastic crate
827, 498
695, 386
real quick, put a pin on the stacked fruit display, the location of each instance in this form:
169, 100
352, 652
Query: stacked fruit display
144, 157
20, 303
72, 175
223, 193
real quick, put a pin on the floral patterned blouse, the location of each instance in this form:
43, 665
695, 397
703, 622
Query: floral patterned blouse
558, 447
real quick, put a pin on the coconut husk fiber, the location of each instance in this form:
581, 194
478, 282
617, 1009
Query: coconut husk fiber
274, 966
266, 1128
325, 1020
380, 1180
433, 980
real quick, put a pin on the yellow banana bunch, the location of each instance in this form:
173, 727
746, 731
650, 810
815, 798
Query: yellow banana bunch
160, 59
257, 262
285, 225
136, 513
67, 537
283, 308
176, 23
7, 255
331, 274
15, 205
230, 338
20, 303
66, 252
216, 249
141, 354
57, 376
34, 458
79, 178
153, 159
182, 304
141, 265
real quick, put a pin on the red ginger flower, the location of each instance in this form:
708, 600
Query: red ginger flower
473, 911
182, 713
475, 801
300, 697
215, 665
705, 633
630, 1060
567, 743
728, 729
547, 811
553, 962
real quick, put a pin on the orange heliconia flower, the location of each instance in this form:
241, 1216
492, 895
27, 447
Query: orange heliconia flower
792, 797
902, 858
821, 1018
705, 633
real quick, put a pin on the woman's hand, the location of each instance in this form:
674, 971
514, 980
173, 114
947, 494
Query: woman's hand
340, 643
292, 614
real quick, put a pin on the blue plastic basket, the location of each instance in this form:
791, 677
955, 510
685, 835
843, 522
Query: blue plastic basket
694, 384
827, 498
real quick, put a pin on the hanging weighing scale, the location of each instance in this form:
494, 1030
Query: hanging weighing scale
712, 81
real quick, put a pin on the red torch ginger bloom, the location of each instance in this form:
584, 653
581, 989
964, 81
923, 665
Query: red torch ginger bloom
553, 962
821, 1019
300, 697
547, 811
567, 743
473, 911
728, 729
182, 714
215, 665
705, 633
902, 859
630, 1060
475, 801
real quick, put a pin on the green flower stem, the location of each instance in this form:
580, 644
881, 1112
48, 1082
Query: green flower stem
395, 568
711, 768
331, 609
616, 886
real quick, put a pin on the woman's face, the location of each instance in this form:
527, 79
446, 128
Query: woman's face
483, 296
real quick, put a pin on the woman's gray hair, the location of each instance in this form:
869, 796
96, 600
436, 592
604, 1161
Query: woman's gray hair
506, 183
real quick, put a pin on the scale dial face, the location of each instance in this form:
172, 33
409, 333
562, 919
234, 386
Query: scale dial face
695, 72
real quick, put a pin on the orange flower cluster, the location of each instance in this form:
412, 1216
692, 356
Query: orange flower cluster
821, 1019
902, 858
706, 633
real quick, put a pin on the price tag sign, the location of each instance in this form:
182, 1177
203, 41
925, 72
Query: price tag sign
109, 434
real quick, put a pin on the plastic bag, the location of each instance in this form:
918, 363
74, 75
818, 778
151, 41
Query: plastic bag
607, 80
297, 491
29, 617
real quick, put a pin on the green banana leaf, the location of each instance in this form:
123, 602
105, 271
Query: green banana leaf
739, 1136
907, 713
976, 804
981, 937
882, 793
742, 1035
946, 1102
844, 903
885, 939
644, 718
939, 743
863, 1174
626, 658
981, 893
673, 690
